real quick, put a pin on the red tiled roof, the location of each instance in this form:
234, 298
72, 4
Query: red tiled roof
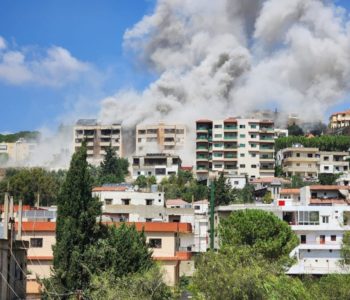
204, 120
341, 112
328, 201
109, 189
180, 255
329, 187
269, 180
230, 120
186, 168
175, 202
290, 191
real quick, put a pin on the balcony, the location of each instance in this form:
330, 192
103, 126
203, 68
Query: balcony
202, 157
230, 128
230, 137
267, 129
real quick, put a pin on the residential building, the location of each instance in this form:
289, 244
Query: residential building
160, 165
15, 153
298, 160
332, 162
279, 132
320, 225
160, 138
236, 181
236, 146
344, 179
127, 195
98, 137
163, 238
340, 119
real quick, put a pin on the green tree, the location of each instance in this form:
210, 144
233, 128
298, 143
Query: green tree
146, 285
327, 179
297, 181
241, 274
247, 194
113, 168
76, 228
223, 191
345, 249
267, 198
120, 251
141, 181
262, 231
151, 180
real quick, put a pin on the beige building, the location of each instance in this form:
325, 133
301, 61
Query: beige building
13, 153
300, 161
98, 136
160, 138
340, 119
163, 238
333, 162
235, 146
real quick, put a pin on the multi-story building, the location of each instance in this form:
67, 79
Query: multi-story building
340, 119
333, 162
318, 215
14, 153
98, 136
163, 238
159, 165
300, 161
160, 138
236, 146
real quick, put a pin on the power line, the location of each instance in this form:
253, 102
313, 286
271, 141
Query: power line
2, 275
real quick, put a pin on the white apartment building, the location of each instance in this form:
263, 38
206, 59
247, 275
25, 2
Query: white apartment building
236, 146
332, 162
160, 138
160, 165
318, 215
98, 137
126, 195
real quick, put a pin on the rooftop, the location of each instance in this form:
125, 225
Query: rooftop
329, 187
290, 191
176, 202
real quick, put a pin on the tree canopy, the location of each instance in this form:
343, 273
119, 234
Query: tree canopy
14, 137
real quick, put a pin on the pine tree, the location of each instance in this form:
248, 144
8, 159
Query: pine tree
76, 228
113, 168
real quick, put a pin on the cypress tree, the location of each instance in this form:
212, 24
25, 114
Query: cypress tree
76, 228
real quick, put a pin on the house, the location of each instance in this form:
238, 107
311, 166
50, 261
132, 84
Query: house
340, 119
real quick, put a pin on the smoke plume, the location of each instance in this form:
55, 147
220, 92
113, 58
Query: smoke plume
227, 57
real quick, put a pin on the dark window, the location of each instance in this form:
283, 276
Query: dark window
155, 243
333, 238
108, 201
197, 207
36, 242
149, 201
303, 239
125, 201
322, 239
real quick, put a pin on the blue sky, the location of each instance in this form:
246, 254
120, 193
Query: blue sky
57, 36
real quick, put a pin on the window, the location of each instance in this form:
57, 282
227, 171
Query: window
322, 239
253, 126
298, 154
253, 155
242, 145
149, 201
242, 155
197, 207
155, 243
217, 126
326, 158
253, 145
303, 239
309, 155
241, 126
148, 219
218, 166
333, 238
108, 201
36, 242
235, 182
298, 165
308, 218
325, 219
242, 166
242, 135
125, 201
254, 166
218, 135
326, 168
253, 136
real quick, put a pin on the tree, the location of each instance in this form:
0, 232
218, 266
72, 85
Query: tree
297, 181
260, 230
76, 228
345, 249
223, 191
141, 181
151, 180
327, 179
247, 194
146, 285
113, 169
120, 251
267, 198
241, 274
295, 130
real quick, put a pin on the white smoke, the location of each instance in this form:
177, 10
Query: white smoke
227, 57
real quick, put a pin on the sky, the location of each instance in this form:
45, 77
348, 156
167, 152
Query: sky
59, 57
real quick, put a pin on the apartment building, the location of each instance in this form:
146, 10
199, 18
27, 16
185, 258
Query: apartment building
318, 215
160, 165
332, 162
160, 138
236, 146
14, 153
98, 136
301, 161
127, 195
163, 238
340, 119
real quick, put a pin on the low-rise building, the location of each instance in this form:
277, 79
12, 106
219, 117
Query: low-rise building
98, 137
15, 153
160, 165
160, 138
127, 195
333, 162
340, 119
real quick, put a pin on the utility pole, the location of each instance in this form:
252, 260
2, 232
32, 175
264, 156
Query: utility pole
212, 206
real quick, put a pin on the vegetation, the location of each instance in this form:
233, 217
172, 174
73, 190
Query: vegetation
345, 249
267, 199
14, 137
327, 179
143, 182
113, 169
27, 183
224, 194
324, 142
295, 130
183, 186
